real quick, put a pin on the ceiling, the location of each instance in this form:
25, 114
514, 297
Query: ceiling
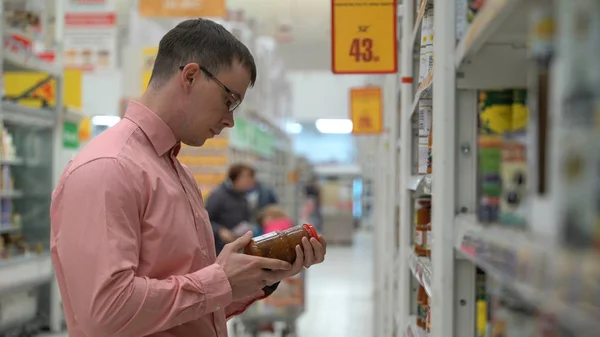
309, 48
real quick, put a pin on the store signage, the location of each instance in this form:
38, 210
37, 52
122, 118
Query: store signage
366, 110
182, 8
70, 135
90, 40
89, 5
363, 36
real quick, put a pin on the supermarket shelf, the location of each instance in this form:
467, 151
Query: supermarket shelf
8, 228
22, 115
11, 161
11, 194
24, 61
499, 21
28, 270
550, 277
420, 267
412, 330
421, 184
418, 22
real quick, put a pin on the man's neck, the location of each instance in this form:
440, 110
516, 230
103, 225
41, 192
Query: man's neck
161, 103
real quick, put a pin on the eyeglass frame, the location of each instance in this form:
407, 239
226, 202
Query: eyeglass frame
235, 99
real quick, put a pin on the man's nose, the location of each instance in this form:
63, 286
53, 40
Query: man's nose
228, 121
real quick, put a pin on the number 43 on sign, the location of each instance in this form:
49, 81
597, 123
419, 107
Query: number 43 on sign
362, 50
364, 36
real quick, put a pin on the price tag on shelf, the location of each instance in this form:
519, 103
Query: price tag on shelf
366, 110
363, 36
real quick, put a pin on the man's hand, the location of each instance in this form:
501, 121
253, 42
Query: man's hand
248, 274
310, 253
226, 235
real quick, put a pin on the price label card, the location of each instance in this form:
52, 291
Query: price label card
366, 110
363, 36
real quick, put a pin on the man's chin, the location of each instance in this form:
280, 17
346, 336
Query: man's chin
195, 143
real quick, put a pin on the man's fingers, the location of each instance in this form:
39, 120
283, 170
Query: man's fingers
299, 258
318, 249
241, 242
324, 244
309, 255
272, 264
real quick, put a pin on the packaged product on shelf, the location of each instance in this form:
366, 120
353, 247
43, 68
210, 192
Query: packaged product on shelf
422, 308
423, 68
466, 10
495, 111
482, 304
425, 111
428, 323
422, 221
514, 169
430, 34
423, 153
490, 187
495, 119
429, 147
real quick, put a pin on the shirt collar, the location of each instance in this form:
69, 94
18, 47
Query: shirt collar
157, 131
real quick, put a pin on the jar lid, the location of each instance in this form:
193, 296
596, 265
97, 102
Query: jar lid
311, 230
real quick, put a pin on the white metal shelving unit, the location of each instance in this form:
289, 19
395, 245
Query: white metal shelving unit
491, 53
22, 275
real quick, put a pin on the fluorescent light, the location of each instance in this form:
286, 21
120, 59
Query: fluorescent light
293, 127
105, 120
334, 125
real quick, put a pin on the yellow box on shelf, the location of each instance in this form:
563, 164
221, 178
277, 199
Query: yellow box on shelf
16, 83
204, 160
209, 178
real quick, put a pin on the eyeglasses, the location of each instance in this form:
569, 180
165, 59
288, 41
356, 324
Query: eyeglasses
234, 99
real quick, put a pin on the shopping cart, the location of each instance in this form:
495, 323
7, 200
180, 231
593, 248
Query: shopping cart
284, 306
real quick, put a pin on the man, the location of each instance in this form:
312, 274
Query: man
312, 210
131, 242
227, 206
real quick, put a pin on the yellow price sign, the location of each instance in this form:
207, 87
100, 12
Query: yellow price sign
363, 36
366, 110
182, 8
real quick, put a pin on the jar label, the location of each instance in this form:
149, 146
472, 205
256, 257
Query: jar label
428, 240
419, 239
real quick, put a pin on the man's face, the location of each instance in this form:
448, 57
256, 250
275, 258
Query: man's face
208, 99
245, 181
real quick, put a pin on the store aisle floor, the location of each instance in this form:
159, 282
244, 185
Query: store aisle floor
339, 294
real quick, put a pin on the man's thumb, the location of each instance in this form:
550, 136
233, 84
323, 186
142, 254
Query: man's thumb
241, 242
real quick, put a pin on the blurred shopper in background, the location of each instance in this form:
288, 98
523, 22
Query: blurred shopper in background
258, 198
273, 218
311, 212
227, 205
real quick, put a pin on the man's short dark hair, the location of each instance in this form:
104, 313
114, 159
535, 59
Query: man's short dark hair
203, 41
236, 170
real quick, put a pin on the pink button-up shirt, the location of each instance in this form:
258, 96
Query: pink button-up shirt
131, 242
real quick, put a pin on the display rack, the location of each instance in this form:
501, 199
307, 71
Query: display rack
31, 141
530, 243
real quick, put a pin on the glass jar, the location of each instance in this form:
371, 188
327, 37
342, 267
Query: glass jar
280, 245
422, 220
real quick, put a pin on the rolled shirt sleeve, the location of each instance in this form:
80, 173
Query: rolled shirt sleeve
97, 211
